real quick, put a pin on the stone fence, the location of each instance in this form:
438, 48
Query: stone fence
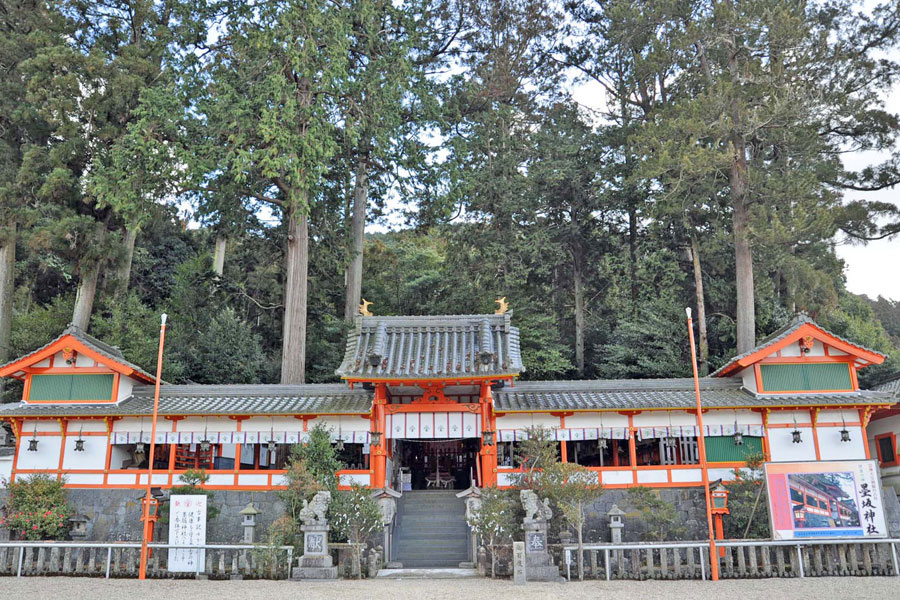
92, 559
738, 559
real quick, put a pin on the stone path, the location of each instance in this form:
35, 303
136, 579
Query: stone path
61, 588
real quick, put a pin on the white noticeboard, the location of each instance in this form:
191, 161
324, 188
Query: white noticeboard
187, 527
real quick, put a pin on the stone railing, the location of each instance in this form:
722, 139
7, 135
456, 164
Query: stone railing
123, 560
737, 559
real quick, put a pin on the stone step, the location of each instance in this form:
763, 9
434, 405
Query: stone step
446, 573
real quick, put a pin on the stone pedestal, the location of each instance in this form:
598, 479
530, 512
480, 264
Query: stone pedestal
316, 562
538, 563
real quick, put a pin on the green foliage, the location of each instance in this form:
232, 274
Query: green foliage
37, 508
227, 351
535, 455
658, 516
495, 521
748, 503
572, 488
319, 457
354, 514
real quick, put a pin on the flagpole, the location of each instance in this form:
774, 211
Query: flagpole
701, 448
145, 539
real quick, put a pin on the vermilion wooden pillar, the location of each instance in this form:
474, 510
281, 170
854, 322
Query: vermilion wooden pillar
377, 454
488, 454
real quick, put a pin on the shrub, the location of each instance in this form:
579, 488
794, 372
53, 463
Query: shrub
37, 508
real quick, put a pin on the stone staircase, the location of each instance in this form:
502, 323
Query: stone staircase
432, 530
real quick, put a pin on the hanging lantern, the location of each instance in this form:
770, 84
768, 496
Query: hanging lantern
738, 437
845, 435
272, 445
340, 444
488, 438
33, 442
795, 434
79, 443
602, 442
375, 438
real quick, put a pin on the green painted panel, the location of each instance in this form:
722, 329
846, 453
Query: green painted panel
71, 387
722, 448
806, 377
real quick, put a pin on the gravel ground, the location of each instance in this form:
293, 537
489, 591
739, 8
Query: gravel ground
59, 588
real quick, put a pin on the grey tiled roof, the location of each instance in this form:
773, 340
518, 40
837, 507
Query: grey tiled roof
102, 348
261, 399
431, 346
891, 385
626, 394
779, 334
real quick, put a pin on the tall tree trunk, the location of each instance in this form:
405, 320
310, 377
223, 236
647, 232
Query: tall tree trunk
358, 231
743, 257
632, 256
123, 273
578, 285
701, 305
219, 255
296, 287
84, 299
7, 282
581, 553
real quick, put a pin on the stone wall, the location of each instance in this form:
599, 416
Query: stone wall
115, 515
690, 505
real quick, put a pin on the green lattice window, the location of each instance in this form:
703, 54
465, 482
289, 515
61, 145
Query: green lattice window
721, 448
71, 387
806, 377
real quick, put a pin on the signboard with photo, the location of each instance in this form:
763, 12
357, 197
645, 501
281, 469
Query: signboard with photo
825, 499
187, 527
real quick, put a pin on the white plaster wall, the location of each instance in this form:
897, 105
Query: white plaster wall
834, 416
783, 449
526, 420
86, 425
126, 386
749, 378
158, 479
727, 417
788, 416
198, 424
723, 474
51, 425
122, 478
351, 478
616, 477
253, 479
46, 457
43, 364
93, 457
348, 423
661, 418
5, 470
592, 419
81, 360
137, 424
655, 476
687, 475
832, 448
85, 478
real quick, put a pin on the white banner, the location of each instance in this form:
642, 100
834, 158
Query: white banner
187, 527
573, 434
437, 425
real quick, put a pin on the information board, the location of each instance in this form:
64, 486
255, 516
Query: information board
187, 527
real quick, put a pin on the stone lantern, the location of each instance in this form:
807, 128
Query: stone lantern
616, 524
249, 522
78, 527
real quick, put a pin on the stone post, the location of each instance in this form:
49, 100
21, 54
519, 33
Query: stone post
519, 569
316, 562
473, 505
616, 524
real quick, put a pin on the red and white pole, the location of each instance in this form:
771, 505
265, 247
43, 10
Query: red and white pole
145, 539
701, 448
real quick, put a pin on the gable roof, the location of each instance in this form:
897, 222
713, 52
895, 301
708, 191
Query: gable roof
643, 394
221, 400
891, 384
419, 347
83, 343
800, 326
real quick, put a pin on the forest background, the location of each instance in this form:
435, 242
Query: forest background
220, 160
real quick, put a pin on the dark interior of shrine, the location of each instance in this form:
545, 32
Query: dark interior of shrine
436, 464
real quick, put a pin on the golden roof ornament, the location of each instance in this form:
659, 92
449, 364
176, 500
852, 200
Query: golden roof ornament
364, 308
503, 306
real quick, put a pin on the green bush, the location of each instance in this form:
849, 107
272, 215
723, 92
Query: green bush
37, 508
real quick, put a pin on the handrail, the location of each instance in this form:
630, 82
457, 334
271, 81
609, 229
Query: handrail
799, 544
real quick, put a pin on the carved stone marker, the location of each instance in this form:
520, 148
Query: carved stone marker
539, 564
316, 562
519, 563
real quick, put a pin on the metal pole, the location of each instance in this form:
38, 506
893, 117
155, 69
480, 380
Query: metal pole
606, 561
145, 539
894, 559
800, 559
290, 553
701, 448
568, 565
702, 565
21, 558
108, 560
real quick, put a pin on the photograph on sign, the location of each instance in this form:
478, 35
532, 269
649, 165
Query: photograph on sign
187, 527
825, 499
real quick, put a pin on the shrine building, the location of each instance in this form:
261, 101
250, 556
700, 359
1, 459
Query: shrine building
438, 402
